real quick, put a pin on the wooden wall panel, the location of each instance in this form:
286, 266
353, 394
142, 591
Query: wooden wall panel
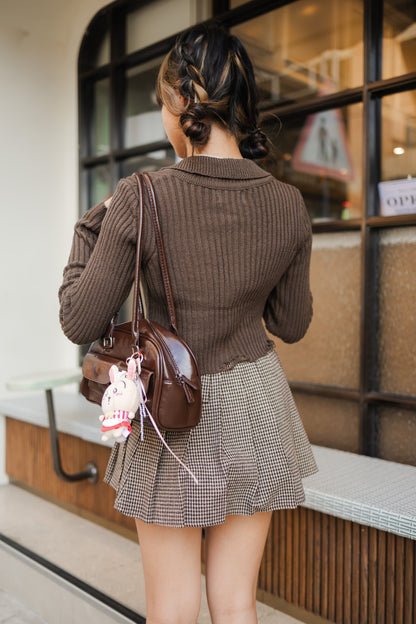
29, 460
337, 570
409, 580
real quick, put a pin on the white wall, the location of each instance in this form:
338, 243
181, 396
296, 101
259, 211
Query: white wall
39, 44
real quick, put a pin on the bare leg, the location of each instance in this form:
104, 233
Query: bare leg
233, 555
172, 571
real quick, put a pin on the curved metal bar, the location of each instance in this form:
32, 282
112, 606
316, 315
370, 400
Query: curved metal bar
91, 471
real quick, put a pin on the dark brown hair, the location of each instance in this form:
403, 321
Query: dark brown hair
212, 71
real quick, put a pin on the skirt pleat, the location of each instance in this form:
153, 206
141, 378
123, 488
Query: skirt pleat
249, 453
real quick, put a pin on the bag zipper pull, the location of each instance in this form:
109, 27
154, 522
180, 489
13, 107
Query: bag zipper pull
188, 392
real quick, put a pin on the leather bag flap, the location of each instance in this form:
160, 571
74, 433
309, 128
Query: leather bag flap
97, 369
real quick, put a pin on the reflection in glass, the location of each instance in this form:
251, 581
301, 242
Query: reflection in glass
398, 154
100, 184
305, 49
329, 353
143, 121
399, 37
153, 161
322, 155
397, 311
330, 422
396, 435
101, 118
161, 18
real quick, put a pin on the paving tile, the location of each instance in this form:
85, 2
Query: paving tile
92, 553
12, 611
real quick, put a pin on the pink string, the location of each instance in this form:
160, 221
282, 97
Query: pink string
145, 413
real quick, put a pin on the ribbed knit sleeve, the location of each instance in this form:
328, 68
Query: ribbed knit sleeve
100, 269
288, 310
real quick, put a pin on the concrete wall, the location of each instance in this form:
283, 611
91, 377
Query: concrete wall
39, 43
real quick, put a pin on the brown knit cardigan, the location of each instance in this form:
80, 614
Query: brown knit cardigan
238, 246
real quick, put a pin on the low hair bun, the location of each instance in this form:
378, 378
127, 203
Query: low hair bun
195, 124
212, 73
254, 145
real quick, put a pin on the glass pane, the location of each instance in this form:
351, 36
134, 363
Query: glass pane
397, 306
162, 18
329, 353
398, 154
95, 46
101, 118
322, 155
102, 56
100, 180
143, 122
305, 49
153, 161
399, 37
330, 422
396, 435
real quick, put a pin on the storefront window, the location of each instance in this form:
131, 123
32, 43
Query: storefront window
321, 154
101, 118
399, 37
153, 161
398, 154
397, 303
361, 344
102, 56
100, 183
95, 47
160, 19
305, 49
396, 435
330, 422
143, 121
329, 353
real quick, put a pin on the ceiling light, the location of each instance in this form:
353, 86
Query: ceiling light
309, 9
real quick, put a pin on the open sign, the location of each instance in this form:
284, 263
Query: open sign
397, 197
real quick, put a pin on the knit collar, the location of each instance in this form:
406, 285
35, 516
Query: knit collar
226, 168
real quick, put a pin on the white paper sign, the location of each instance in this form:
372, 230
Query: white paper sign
397, 197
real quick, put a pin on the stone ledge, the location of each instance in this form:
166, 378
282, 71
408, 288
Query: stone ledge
367, 490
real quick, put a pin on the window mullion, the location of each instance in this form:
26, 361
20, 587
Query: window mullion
373, 32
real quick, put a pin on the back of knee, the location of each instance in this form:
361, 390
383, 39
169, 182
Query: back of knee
173, 610
224, 605
233, 612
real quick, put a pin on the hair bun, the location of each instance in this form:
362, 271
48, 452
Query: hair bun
195, 124
254, 145
212, 72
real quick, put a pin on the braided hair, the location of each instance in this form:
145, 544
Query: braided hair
213, 73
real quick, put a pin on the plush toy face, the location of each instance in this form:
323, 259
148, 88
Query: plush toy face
122, 393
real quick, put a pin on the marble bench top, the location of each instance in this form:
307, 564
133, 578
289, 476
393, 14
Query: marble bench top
45, 381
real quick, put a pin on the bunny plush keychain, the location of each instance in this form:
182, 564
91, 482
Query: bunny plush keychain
120, 403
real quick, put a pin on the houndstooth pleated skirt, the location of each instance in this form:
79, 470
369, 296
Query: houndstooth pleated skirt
249, 453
